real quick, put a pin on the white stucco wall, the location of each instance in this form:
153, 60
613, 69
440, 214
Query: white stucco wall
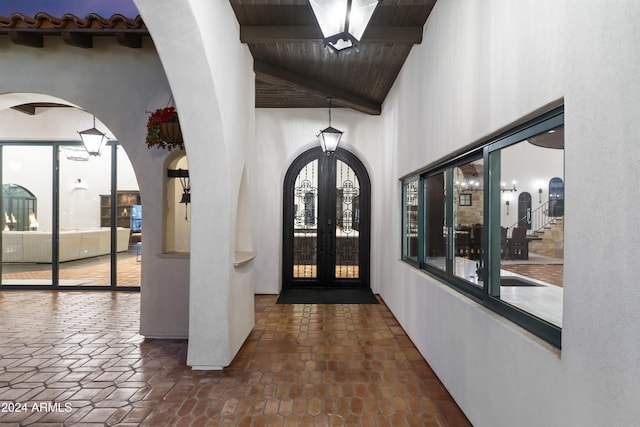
120, 86
482, 66
211, 77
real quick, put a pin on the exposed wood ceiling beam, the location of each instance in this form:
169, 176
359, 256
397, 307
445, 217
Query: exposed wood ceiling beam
82, 38
129, 40
26, 38
278, 76
303, 34
78, 39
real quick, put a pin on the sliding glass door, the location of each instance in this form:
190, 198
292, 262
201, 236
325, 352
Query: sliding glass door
67, 217
27, 202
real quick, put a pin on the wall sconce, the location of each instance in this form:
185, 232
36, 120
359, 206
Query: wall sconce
343, 22
93, 139
504, 187
329, 138
79, 185
507, 202
185, 183
540, 195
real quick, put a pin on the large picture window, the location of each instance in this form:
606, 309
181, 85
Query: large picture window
484, 234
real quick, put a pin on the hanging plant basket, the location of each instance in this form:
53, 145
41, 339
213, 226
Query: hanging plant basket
170, 132
163, 130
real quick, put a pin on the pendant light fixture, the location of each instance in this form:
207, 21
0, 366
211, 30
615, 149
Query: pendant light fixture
329, 138
93, 139
343, 22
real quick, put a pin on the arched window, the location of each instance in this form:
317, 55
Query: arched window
556, 197
524, 210
20, 208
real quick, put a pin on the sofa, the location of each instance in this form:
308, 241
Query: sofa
35, 246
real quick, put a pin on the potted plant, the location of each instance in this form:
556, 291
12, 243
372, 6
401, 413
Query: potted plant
163, 130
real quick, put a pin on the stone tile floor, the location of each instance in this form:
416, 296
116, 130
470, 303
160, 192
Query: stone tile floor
75, 358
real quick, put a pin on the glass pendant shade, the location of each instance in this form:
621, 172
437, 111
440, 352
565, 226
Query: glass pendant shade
343, 22
93, 139
329, 139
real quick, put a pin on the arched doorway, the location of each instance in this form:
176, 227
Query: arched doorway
326, 227
20, 208
177, 226
524, 210
556, 197
67, 217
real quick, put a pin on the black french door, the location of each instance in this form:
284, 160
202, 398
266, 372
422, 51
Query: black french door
326, 227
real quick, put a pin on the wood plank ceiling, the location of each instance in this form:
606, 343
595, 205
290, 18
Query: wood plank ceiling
294, 69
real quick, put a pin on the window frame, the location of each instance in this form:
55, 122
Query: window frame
404, 250
448, 274
491, 220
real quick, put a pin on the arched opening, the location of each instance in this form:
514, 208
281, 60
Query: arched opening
524, 210
326, 225
556, 197
20, 208
68, 216
177, 230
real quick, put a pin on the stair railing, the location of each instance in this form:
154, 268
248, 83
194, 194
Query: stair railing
539, 219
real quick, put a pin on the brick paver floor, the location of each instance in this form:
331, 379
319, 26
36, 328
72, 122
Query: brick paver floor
76, 358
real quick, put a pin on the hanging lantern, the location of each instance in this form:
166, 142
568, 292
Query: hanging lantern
329, 138
93, 139
343, 22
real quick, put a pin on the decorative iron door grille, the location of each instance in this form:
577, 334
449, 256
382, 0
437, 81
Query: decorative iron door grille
326, 221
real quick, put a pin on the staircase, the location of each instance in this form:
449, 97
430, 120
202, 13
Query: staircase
547, 232
551, 241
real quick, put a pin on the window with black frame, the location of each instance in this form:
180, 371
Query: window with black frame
410, 219
528, 260
467, 221
486, 233
435, 233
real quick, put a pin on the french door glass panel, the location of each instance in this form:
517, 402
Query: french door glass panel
26, 217
347, 220
305, 218
84, 241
